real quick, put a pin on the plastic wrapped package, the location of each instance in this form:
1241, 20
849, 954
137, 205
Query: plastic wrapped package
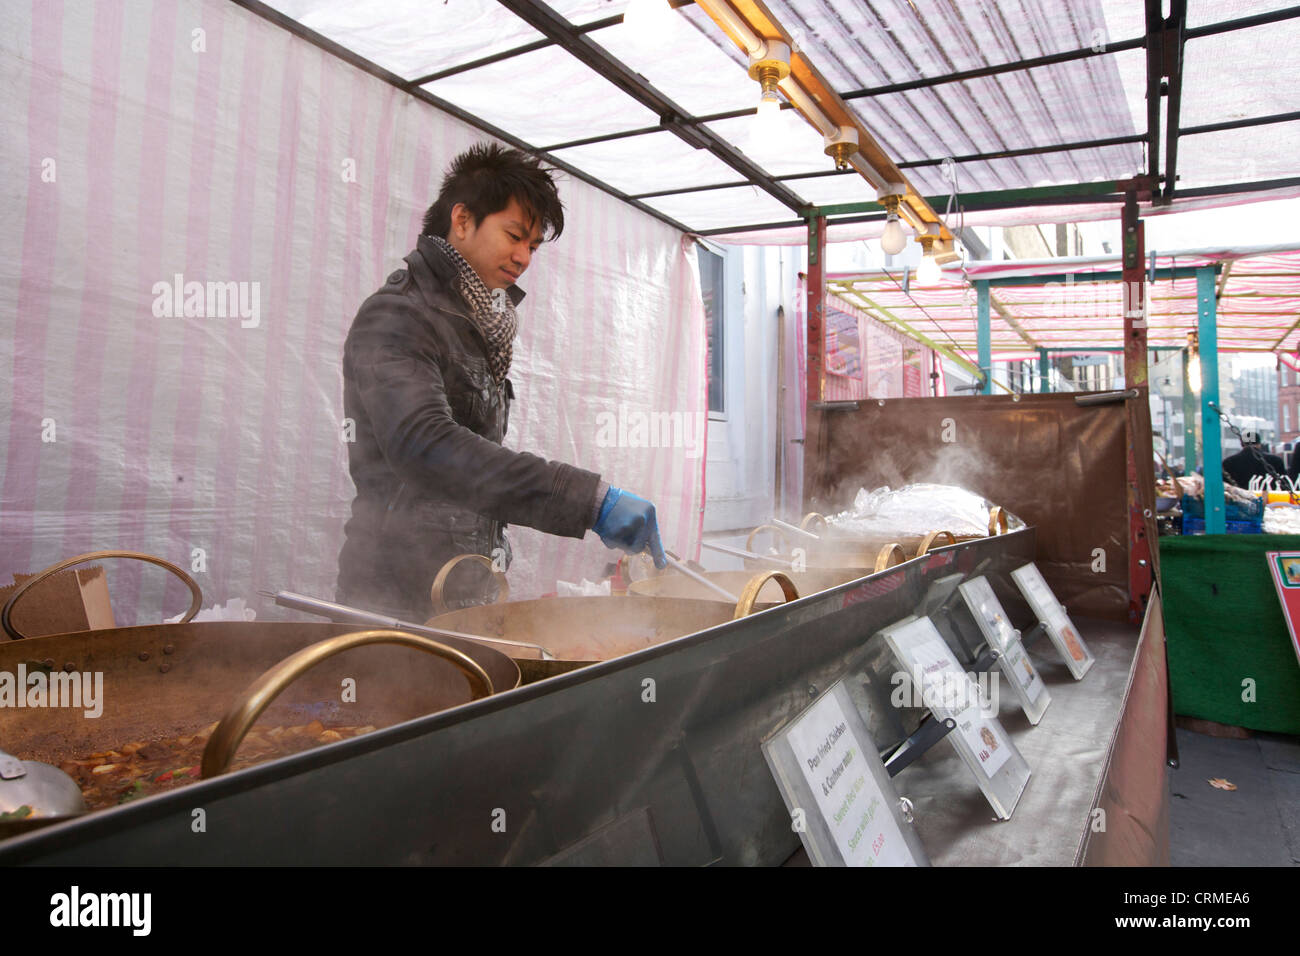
918, 509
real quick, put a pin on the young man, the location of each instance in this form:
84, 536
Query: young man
424, 380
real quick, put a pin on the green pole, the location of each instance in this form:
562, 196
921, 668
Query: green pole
983, 337
1044, 371
1211, 430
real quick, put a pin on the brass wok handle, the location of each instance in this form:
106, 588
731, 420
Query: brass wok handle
440, 582
749, 542
928, 541
998, 520
225, 740
6, 614
890, 555
812, 518
748, 597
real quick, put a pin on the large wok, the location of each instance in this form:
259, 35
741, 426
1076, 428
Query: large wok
670, 585
166, 681
578, 631
865, 553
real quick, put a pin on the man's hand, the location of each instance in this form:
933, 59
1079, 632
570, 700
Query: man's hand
628, 522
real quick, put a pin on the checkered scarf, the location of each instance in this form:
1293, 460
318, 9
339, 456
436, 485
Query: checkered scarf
492, 312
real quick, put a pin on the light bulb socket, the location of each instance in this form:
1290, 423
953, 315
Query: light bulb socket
842, 144
771, 65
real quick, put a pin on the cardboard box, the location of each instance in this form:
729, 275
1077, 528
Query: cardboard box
72, 600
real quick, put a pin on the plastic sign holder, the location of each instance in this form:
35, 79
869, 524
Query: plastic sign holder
950, 694
1004, 642
1054, 619
840, 797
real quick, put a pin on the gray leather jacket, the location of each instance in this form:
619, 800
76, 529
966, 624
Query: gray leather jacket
432, 478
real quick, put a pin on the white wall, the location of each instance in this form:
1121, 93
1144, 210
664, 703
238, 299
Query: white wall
741, 466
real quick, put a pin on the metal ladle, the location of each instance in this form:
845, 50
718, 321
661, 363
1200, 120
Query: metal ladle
40, 789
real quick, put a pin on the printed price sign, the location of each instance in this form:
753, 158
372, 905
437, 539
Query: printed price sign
1285, 568
841, 800
1013, 662
947, 691
1051, 613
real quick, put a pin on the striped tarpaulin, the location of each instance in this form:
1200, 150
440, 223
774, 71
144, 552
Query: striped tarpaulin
151, 145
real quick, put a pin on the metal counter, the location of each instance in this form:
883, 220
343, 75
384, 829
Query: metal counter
650, 758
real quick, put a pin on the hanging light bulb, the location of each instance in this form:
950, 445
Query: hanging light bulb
648, 18
927, 273
893, 240
768, 125
769, 66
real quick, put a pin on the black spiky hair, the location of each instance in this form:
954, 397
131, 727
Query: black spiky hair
485, 177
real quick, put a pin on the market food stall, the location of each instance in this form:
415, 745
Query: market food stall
176, 394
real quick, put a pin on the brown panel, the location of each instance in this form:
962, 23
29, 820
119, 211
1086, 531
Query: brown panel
1053, 463
1133, 794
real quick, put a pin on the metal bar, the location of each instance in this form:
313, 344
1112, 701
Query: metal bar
816, 294
1044, 371
343, 53
965, 158
1231, 189
921, 337
979, 73
1242, 23
748, 555
982, 335
1155, 72
1241, 123
481, 61
1011, 321
702, 580
1175, 33
681, 190
1211, 434
1223, 284
607, 137
1007, 195
1167, 272
1191, 454
546, 21
1014, 199
793, 529
591, 27
1138, 451
344, 614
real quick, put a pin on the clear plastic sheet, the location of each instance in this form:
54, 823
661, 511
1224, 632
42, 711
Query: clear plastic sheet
918, 509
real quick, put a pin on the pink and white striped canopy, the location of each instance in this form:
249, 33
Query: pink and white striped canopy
1258, 307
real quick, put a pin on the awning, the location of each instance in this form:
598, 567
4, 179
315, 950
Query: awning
1077, 304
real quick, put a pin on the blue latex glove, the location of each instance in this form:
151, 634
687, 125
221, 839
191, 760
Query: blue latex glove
628, 522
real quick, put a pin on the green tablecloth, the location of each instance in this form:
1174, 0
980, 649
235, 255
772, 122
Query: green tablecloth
1224, 624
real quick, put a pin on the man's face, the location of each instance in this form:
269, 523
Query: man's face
500, 247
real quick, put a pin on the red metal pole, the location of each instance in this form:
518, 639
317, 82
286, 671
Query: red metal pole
1139, 457
816, 312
